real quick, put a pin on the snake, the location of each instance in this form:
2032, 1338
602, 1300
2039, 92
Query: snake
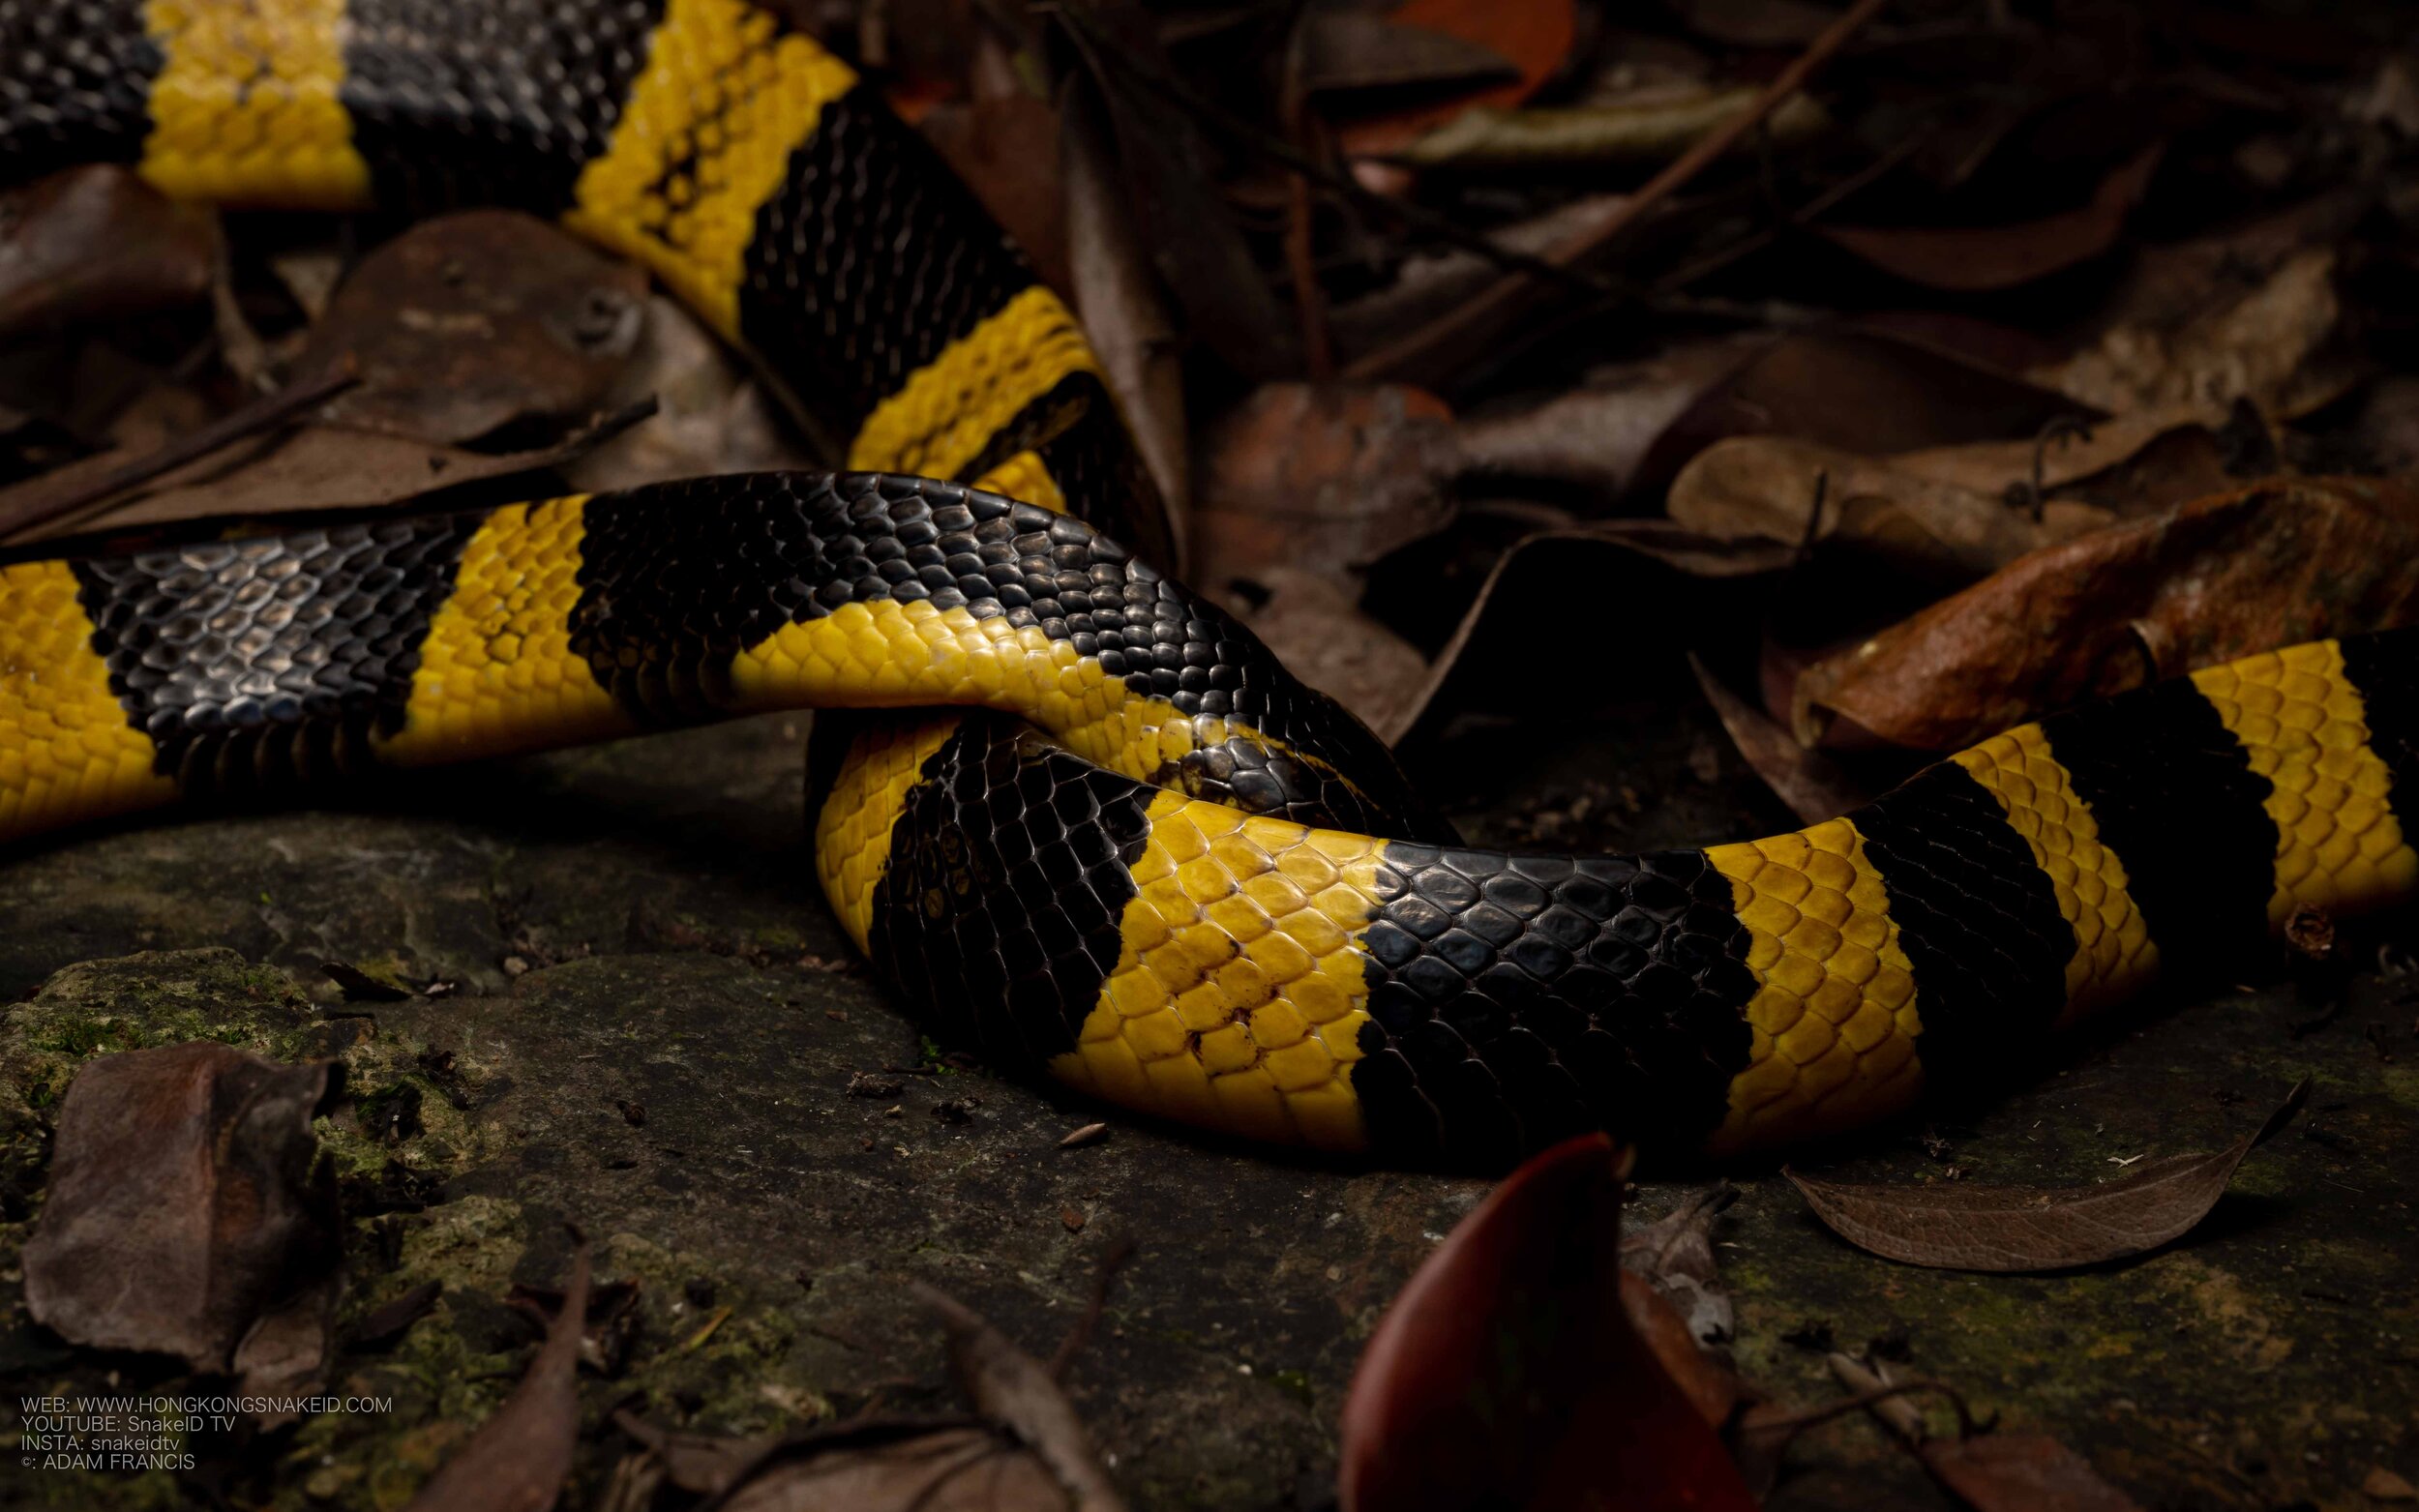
1083, 824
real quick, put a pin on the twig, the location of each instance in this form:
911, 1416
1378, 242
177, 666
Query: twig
1901, 1417
1166, 87
73, 502
1076, 1337
1484, 313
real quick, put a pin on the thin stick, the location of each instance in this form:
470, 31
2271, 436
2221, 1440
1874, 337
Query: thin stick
269, 412
1482, 313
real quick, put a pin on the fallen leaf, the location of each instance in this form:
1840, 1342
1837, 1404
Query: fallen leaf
1429, 285
1711, 1386
313, 468
1989, 1471
1011, 1388
1346, 50
1005, 148
2273, 347
904, 1469
1968, 258
2383, 1485
1323, 478
1971, 1225
1814, 789
1755, 23
1506, 1375
2275, 564
1593, 136
99, 243
1768, 486
1658, 541
711, 415
1864, 391
1594, 437
189, 1213
1195, 245
1317, 630
1534, 37
518, 1459
1089, 1134
1675, 1253
1127, 317
2135, 462
480, 324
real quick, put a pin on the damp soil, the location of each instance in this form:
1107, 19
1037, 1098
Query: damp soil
652, 1028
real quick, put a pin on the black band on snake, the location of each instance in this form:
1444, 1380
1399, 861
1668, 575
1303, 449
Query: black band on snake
1150, 862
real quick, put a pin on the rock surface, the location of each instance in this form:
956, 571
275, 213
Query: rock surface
652, 1033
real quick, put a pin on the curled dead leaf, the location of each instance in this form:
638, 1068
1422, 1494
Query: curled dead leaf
518, 1459
1973, 1226
2275, 564
1768, 486
480, 323
97, 242
2003, 257
1323, 478
189, 1213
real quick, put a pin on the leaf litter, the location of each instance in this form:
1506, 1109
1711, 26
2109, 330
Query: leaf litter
1974, 1226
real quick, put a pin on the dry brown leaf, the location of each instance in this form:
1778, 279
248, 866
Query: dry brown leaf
1988, 1471
518, 1459
1862, 391
2146, 459
1814, 789
710, 414
1011, 1388
1127, 317
1316, 628
1973, 1226
1596, 435
315, 467
2019, 1472
1429, 285
2274, 347
1969, 258
1324, 478
1711, 1387
1346, 50
98, 242
2272, 565
1005, 148
471, 323
1534, 37
188, 1213
1755, 23
945, 1469
1584, 135
1767, 487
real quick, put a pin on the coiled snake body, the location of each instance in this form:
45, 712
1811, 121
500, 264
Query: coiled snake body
1150, 867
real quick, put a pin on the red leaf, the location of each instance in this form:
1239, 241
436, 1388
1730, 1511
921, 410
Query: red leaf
1507, 1374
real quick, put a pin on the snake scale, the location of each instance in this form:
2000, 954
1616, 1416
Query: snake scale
1145, 863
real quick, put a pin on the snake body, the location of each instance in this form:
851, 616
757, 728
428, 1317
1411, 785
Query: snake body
1150, 863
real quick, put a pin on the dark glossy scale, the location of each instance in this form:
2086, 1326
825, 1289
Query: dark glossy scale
496, 104
1009, 873
677, 578
73, 78
2385, 669
868, 262
248, 662
1977, 919
2190, 823
1518, 1000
